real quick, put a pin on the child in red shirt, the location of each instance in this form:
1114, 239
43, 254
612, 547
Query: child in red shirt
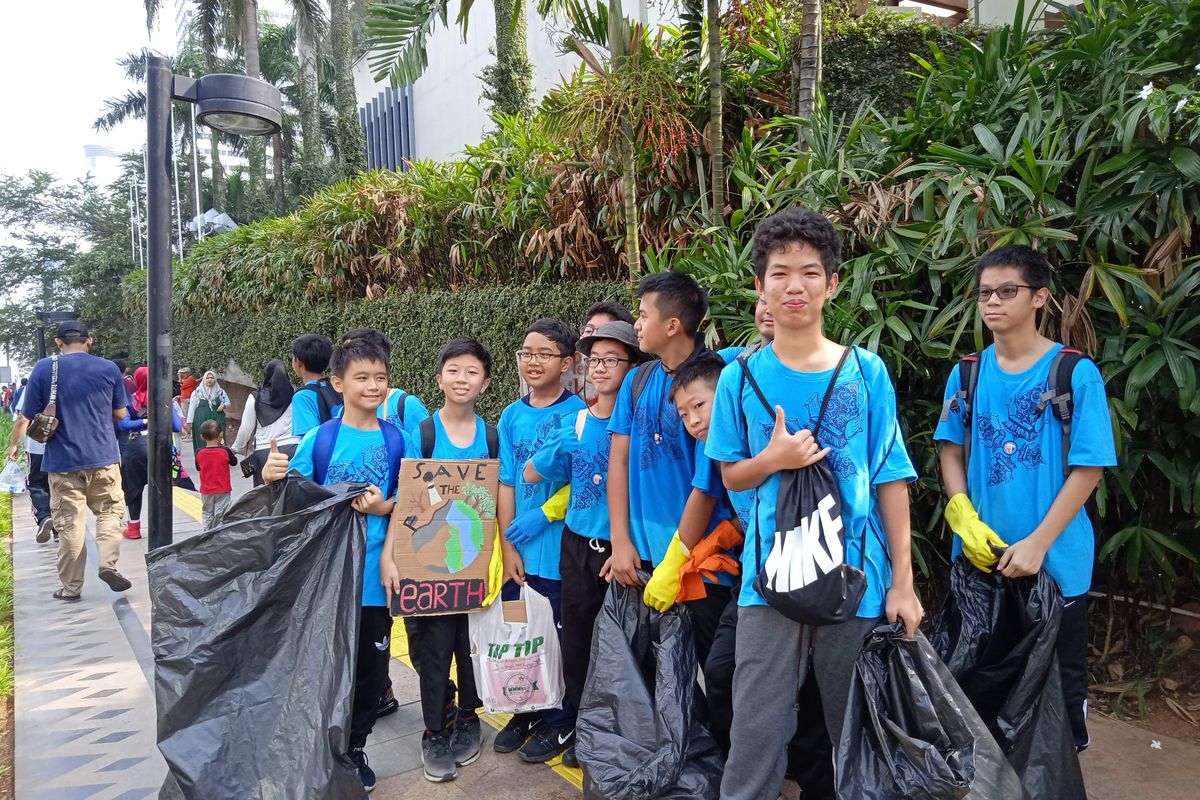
214, 461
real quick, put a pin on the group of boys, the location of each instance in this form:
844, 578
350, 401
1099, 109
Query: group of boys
679, 458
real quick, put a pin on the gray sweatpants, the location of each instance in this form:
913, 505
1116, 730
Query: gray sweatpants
764, 694
214, 508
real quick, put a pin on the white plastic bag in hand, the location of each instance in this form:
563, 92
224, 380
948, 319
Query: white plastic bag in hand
12, 478
518, 665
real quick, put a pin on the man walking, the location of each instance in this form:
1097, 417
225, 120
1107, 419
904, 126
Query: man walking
36, 479
82, 457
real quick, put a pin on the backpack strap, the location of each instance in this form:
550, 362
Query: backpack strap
963, 401
580, 422
641, 376
393, 440
829, 394
1059, 397
327, 435
493, 440
428, 434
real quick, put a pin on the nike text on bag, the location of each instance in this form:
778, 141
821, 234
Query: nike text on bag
43, 425
518, 665
806, 577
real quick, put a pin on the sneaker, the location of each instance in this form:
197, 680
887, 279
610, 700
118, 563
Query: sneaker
133, 530
115, 580
44, 531
569, 758
365, 773
546, 743
437, 757
465, 741
388, 704
514, 734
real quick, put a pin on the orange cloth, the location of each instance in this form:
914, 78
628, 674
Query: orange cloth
708, 559
187, 386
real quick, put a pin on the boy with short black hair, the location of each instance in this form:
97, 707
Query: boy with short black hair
452, 733
1023, 484
601, 312
796, 254
214, 461
356, 448
403, 409
316, 400
532, 543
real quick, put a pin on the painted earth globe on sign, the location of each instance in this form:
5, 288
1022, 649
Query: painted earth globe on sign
451, 540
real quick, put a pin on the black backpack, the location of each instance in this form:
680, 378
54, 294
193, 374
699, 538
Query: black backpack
328, 398
1058, 396
428, 431
806, 577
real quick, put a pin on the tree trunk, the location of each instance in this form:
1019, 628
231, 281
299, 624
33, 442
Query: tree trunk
218, 172
256, 146
511, 79
716, 138
633, 249
277, 174
312, 149
352, 145
806, 64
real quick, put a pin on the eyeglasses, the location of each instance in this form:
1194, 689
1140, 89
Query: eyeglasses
587, 330
524, 356
1006, 292
609, 362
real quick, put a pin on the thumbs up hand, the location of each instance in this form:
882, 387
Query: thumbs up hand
792, 450
276, 466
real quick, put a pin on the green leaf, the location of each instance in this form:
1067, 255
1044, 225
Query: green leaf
989, 141
1187, 162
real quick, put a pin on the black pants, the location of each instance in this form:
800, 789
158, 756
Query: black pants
1072, 647
39, 488
432, 641
706, 618
370, 671
133, 474
583, 593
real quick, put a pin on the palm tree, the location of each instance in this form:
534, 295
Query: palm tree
716, 139
806, 66
352, 146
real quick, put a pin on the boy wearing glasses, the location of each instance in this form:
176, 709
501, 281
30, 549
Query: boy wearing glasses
531, 542
1024, 486
578, 453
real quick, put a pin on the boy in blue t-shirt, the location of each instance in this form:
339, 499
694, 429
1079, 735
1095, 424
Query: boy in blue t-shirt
403, 409
316, 400
578, 452
1021, 491
532, 543
796, 254
359, 453
452, 734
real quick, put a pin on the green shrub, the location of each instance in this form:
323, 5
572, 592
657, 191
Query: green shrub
418, 323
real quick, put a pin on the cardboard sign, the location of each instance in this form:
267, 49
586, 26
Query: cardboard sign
444, 531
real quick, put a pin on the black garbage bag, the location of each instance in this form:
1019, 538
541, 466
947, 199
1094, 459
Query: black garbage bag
638, 736
997, 636
255, 629
910, 730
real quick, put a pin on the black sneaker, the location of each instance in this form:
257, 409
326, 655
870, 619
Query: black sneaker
388, 704
514, 734
437, 758
44, 531
115, 580
365, 773
546, 743
569, 758
465, 741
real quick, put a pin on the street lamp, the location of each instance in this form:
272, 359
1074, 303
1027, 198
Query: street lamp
234, 104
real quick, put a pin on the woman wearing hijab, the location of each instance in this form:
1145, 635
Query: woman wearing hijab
208, 402
131, 435
267, 416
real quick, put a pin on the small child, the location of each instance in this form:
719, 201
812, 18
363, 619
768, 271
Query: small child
214, 461
452, 735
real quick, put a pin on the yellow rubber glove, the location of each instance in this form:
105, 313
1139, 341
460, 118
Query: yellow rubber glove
663, 586
556, 507
977, 537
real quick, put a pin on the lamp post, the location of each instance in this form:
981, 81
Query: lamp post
234, 104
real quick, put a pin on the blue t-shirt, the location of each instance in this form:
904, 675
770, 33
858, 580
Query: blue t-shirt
358, 457
414, 412
743, 502
866, 449
89, 390
1016, 468
587, 471
523, 429
306, 411
444, 448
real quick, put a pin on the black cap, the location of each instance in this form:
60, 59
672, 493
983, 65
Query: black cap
72, 329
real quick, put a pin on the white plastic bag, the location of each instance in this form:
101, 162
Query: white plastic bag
12, 478
518, 665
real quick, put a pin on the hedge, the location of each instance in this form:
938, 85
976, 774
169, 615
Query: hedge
418, 323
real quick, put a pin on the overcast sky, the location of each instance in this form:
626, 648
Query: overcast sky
58, 62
